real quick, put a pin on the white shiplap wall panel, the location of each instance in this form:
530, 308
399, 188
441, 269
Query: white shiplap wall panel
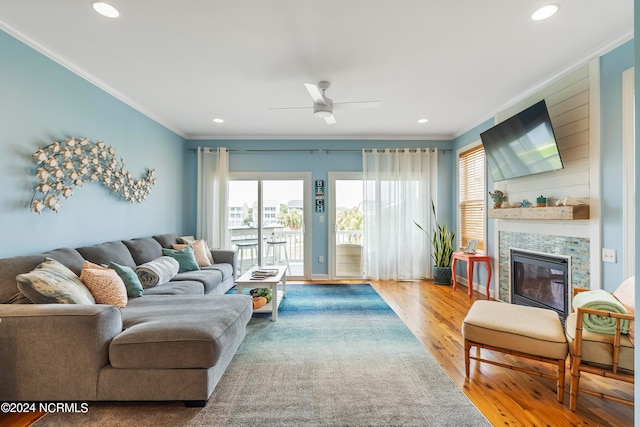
568, 104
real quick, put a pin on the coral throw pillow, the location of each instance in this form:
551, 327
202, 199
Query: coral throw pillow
105, 285
199, 251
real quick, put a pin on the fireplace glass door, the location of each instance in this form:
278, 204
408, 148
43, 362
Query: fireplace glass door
540, 281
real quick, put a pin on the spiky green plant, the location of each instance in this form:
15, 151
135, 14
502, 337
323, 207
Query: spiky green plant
441, 241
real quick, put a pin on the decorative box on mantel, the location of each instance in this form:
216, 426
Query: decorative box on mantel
546, 213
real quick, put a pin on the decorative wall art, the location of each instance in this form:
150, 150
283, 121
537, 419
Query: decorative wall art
68, 164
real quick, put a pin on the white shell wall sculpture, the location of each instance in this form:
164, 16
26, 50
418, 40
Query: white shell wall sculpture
65, 165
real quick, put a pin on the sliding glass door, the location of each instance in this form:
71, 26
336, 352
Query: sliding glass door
346, 224
267, 217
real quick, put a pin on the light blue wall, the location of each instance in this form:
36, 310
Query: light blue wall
41, 101
319, 164
611, 67
461, 141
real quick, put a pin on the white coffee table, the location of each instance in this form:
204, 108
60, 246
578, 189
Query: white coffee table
277, 294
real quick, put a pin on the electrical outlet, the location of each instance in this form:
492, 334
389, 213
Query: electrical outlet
320, 259
609, 255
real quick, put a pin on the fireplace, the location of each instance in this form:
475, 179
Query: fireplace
540, 280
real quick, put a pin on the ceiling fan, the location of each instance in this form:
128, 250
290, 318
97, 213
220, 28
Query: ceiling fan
323, 105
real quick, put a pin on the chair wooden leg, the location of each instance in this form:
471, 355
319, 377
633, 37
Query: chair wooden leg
467, 361
575, 383
560, 386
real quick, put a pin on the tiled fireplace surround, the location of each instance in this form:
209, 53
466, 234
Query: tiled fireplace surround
575, 247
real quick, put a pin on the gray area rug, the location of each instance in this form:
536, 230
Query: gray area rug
337, 356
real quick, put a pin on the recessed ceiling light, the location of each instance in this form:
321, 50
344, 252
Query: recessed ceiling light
545, 12
218, 120
423, 121
105, 9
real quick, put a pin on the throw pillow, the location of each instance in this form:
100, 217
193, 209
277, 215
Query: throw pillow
199, 251
626, 294
105, 286
189, 240
185, 257
52, 282
130, 279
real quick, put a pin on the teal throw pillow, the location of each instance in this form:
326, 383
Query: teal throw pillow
185, 257
130, 279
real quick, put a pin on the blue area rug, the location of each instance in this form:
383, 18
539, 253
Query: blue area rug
338, 356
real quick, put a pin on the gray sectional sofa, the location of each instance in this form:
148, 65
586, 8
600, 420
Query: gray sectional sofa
172, 343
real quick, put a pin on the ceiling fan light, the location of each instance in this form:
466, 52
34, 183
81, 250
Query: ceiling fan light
545, 12
105, 9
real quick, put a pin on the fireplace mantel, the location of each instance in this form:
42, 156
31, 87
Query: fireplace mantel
546, 213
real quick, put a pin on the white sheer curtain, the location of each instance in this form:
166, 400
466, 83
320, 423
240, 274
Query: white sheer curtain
211, 216
399, 185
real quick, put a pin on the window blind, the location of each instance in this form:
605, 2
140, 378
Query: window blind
471, 196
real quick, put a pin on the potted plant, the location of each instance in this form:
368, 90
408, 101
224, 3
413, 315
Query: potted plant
442, 244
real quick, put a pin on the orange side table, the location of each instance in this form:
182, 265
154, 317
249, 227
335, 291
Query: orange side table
471, 259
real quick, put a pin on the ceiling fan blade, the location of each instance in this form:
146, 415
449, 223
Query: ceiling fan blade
330, 119
290, 108
360, 104
315, 93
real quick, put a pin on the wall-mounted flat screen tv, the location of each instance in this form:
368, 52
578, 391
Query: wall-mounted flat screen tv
522, 145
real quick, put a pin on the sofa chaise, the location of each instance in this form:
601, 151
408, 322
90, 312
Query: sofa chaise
172, 343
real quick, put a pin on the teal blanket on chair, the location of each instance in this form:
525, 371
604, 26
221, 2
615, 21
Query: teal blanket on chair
600, 300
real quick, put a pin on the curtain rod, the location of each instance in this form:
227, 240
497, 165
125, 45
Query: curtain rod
370, 150
231, 150
312, 150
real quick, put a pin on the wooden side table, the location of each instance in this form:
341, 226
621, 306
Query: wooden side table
471, 259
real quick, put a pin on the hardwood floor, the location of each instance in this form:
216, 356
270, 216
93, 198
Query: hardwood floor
507, 398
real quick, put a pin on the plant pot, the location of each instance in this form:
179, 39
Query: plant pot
442, 275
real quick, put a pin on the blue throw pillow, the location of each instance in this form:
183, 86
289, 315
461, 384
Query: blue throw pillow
130, 279
185, 257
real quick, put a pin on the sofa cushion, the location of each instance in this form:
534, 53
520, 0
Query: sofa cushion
10, 268
200, 330
51, 282
144, 249
210, 279
130, 279
105, 253
166, 240
70, 257
183, 287
185, 257
225, 269
598, 348
105, 285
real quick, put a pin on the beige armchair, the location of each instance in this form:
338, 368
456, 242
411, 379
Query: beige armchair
609, 356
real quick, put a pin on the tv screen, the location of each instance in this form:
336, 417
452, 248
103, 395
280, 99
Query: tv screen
522, 145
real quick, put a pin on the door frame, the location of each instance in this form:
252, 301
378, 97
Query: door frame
306, 201
333, 177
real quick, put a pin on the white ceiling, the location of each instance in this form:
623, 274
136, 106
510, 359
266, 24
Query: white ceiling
454, 62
